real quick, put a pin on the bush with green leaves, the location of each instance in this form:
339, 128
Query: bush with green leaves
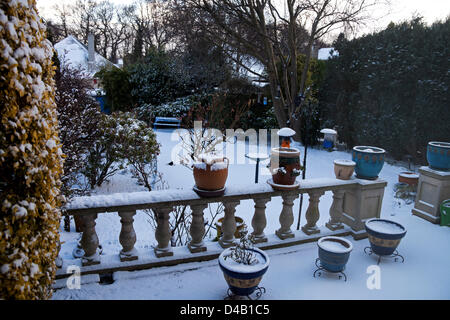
124, 140
178, 108
116, 83
157, 79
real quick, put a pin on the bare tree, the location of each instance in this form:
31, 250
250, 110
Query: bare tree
258, 29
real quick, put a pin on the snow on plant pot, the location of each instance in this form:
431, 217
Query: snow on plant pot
210, 172
334, 253
343, 169
369, 161
409, 178
285, 165
243, 266
239, 226
438, 155
384, 235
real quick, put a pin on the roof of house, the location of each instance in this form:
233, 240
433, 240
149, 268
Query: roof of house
74, 54
326, 53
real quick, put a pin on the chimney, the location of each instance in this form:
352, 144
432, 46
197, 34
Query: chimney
91, 55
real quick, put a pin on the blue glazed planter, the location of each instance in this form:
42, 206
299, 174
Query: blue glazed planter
334, 253
243, 280
369, 161
384, 235
438, 155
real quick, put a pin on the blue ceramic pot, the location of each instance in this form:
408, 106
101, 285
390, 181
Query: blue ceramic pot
334, 253
369, 161
384, 235
243, 280
438, 155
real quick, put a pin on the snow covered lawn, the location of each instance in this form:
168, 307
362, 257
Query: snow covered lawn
423, 275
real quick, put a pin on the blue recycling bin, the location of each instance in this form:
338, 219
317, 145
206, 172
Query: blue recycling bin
101, 100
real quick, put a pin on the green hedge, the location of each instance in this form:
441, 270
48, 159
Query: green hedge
390, 89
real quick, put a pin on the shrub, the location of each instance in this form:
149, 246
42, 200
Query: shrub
122, 140
390, 89
157, 80
30, 156
79, 119
116, 83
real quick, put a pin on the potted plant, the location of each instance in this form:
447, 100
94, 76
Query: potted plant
438, 155
334, 253
384, 235
409, 178
343, 169
285, 167
210, 172
243, 266
369, 161
240, 225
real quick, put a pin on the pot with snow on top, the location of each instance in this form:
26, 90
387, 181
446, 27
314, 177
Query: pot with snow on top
369, 161
285, 165
384, 235
210, 172
343, 169
438, 155
243, 277
334, 253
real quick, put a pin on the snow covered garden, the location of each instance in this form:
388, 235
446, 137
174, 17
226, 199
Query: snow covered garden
290, 274
160, 150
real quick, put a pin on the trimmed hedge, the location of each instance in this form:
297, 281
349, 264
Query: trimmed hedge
30, 155
390, 89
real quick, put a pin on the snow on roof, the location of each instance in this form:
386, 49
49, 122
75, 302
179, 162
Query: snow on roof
326, 53
73, 53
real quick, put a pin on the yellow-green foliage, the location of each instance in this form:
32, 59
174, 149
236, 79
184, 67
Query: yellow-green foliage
30, 155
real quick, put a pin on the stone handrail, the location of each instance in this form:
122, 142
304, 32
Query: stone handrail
354, 201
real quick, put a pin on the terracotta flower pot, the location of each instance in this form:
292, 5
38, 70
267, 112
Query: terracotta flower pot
343, 169
211, 173
239, 226
285, 165
410, 178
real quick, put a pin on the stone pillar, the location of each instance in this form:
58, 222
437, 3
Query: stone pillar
336, 211
433, 188
228, 225
286, 217
361, 203
197, 230
259, 221
162, 233
89, 241
312, 213
127, 236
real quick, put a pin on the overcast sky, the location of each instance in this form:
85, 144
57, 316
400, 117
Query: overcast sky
399, 10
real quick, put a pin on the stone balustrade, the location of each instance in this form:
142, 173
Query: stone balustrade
354, 201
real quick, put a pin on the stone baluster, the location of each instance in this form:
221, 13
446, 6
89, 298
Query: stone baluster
89, 241
312, 213
259, 221
286, 217
197, 229
127, 236
336, 210
162, 233
228, 225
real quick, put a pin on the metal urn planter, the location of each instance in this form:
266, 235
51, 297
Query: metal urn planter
384, 237
243, 280
438, 155
369, 161
334, 253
